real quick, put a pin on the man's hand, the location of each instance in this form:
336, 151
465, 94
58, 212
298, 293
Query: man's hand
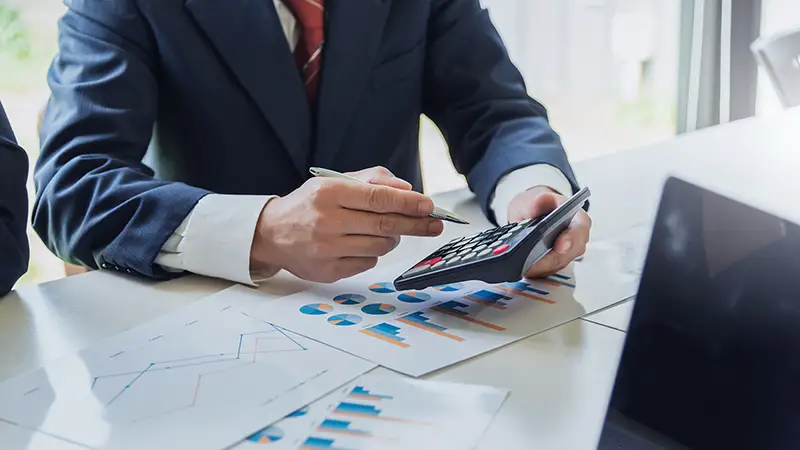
329, 229
569, 245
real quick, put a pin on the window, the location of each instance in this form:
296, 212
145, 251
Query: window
28, 33
606, 70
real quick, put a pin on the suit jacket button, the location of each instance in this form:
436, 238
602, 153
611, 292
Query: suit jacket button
104, 266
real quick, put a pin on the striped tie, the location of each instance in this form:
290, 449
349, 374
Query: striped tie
308, 53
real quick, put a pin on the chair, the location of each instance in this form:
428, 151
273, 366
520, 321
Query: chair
779, 55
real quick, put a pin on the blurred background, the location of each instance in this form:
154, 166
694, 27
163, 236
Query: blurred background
613, 74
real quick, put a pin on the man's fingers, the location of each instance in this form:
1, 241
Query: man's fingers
550, 264
394, 182
389, 225
382, 176
383, 199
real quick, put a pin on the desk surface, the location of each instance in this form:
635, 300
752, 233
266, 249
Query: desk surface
559, 379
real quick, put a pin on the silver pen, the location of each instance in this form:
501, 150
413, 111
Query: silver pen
438, 213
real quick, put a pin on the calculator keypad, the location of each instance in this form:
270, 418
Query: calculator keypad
492, 242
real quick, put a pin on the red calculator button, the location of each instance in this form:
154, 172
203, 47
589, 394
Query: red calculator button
500, 249
429, 262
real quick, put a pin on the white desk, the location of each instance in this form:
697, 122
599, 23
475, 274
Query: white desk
560, 379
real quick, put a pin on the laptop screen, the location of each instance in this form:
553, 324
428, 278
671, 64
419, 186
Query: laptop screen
712, 355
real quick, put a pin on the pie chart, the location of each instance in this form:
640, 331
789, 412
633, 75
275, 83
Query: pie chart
349, 299
413, 297
344, 320
378, 309
316, 309
449, 287
300, 412
267, 436
382, 288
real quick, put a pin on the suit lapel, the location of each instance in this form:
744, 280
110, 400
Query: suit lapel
250, 39
354, 34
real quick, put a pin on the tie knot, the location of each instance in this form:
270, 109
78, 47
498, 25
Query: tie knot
309, 13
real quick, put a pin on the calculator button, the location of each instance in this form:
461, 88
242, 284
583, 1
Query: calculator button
456, 240
506, 236
501, 249
453, 260
525, 222
484, 252
438, 265
496, 244
429, 262
417, 270
469, 256
480, 248
464, 251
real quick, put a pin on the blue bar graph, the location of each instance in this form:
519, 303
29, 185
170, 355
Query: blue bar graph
423, 322
361, 392
489, 298
341, 427
521, 286
355, 408
387, 333
313, 443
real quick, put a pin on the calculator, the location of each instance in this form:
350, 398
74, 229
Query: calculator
497, 255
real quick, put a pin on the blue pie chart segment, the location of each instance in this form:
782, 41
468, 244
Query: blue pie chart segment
344, 320
378, 309
449, 287
349, 299
316, 309
267, 435
382, 288
414, 297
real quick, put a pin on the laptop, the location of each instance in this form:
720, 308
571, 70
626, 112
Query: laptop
712, 355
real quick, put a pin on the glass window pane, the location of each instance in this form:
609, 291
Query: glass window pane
607, 71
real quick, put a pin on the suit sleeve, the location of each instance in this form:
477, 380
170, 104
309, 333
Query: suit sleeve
97, 204
478, 99
14, 253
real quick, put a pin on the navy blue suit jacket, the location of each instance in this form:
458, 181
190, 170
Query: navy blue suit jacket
14, 252
215, 86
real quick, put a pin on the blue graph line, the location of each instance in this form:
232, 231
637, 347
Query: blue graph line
182, 362
127, 386
289, 337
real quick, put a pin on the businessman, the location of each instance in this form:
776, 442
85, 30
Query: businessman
230, 103
13, 208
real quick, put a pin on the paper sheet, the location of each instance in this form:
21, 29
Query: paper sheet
418, 332
201, 378
379, 412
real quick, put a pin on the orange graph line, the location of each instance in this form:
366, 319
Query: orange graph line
525, 294
550, 283
387, 419
432, 330
364, 397
385, 339
470, 319
484, 302
347, 432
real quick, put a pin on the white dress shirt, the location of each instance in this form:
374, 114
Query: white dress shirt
216, 237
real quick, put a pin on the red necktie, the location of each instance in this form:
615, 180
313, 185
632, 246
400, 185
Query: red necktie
308, 53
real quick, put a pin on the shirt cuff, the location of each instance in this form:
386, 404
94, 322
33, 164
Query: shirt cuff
523, 179
215, 239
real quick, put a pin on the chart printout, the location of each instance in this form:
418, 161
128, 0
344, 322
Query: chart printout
387, 413
417, 332
203, 377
